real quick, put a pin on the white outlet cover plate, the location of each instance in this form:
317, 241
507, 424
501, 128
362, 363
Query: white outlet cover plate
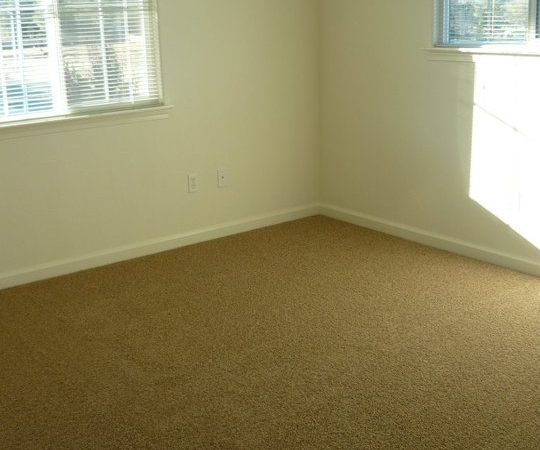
223, 179
193, 183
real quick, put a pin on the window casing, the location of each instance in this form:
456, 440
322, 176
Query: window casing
68, 57
476, 23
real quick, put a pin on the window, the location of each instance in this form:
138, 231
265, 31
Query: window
62, 57
462, 23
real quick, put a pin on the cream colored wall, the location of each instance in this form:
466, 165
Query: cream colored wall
243, 78
397, 127
258, 87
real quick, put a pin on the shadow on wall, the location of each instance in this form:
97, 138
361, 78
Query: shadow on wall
505, 141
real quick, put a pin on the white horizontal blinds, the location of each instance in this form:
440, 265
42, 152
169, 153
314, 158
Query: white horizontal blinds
66, 56
28, 73
109, 53
470, 22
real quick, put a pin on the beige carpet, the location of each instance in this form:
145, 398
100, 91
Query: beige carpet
311, 334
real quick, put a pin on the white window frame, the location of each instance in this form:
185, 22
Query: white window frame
61, 120
441, 38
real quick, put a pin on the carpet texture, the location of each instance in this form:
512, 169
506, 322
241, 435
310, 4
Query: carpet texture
310, 334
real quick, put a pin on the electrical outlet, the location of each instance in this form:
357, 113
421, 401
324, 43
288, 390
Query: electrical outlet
193, 183
222, 178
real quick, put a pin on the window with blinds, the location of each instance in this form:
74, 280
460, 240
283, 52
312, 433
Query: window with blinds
480, 22
62, 57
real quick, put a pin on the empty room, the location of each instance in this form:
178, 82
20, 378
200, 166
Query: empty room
269, 224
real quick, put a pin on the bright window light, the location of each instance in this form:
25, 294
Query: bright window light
505, 153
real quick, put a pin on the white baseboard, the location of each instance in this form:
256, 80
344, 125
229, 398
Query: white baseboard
89, 261
433, 240
110, 256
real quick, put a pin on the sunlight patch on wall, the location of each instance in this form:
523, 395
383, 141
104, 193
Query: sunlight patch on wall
505, 156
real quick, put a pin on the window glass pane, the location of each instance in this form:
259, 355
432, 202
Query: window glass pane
82, 54
108, 49
25, 61
484, 21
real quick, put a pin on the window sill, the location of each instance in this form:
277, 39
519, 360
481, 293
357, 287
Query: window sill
61, 124
467, 54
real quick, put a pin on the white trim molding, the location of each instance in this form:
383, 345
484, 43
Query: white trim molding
439, 241
472, 54
136, 250
118, 254
62, 124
